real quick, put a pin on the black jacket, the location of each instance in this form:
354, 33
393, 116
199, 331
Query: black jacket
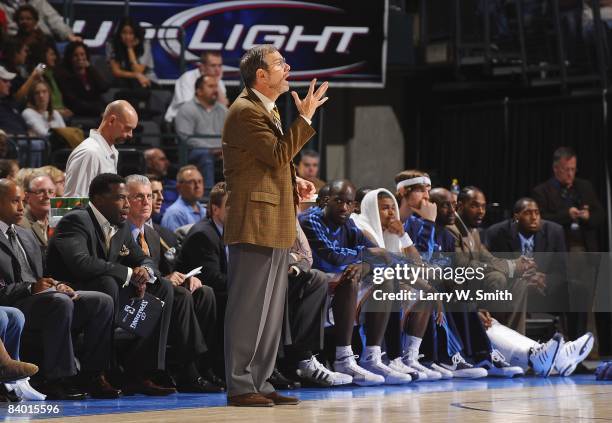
76, 251
554, 208
204, 247
10, 290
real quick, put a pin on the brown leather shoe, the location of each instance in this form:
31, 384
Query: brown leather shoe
147, 387
98, 387
279, 399
250, 400
15, 370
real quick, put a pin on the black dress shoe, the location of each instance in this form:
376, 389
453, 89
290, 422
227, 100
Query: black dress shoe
212, 377
56, 391
199, 386
147, 387
98, 387
280, 382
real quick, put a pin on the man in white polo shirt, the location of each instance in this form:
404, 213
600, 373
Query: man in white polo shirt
97, 154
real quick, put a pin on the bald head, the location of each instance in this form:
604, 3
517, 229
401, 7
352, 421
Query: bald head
443, 200
157, 162
438, 195
341, 201
118, 122
338, 186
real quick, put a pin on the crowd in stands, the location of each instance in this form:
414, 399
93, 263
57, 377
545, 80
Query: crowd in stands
61, 287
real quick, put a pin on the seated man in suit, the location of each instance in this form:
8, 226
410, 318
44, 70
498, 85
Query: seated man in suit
53, 310
40, 189
499, 274
194, 316
93, 248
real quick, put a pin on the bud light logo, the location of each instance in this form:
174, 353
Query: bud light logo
343, 41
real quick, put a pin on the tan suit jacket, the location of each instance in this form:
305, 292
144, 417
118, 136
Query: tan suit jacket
470, 251
259, 173
29, 222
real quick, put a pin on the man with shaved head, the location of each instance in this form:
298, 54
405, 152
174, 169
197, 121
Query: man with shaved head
97, 154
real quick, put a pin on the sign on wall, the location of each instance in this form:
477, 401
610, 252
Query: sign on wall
342, 41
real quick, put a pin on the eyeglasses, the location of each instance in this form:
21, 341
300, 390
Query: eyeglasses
41, 192
279, 62
142, 197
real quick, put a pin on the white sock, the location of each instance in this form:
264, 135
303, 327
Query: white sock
413, 344
370, 351
343, 352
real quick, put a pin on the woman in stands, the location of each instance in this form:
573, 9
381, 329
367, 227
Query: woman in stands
40, 115
81, 84
15, 58
129, 55
28, 31
57, 99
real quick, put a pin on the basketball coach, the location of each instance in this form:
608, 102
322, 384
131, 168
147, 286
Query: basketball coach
260, 225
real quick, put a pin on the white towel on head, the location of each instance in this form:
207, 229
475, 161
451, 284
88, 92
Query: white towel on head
369, 221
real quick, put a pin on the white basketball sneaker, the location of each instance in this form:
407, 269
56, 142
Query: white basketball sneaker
398, 365
462, 369
572, 353
373, 363
499, 367
313, 371
411, 359
446, 374
362, 377
542, 357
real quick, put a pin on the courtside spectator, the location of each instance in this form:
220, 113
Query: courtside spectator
57, 99
15, 53
157, 165
38, 196
40, 115
81, 84
130, 57
97, 154
202, 115
211, 63
58, 177
54, 314
50, 22
308, 167
28, 31
186, 209
9, 169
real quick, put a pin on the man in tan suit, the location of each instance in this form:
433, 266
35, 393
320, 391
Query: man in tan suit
39, 191
263, 191
499, 273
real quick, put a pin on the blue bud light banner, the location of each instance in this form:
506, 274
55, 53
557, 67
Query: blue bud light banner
342, 41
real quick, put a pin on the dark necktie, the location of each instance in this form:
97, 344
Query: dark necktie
26, 274
276, 118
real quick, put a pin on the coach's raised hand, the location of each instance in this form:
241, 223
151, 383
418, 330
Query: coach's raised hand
308, 106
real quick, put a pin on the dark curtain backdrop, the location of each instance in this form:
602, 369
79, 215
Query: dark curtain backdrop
506, 147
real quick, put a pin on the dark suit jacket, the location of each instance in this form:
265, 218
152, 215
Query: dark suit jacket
170, 241
76, 250
204, 247
549, 248
10, 291
554, 208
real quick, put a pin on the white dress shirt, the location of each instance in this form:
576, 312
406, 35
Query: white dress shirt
269, 104
109, 230
91, 158
184, 90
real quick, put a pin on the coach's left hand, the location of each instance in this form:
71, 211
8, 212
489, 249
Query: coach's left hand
306, 189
